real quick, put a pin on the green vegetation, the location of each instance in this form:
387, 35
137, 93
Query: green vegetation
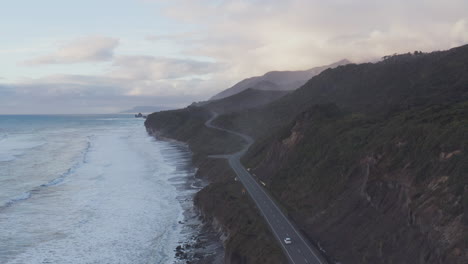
222, 199
386, 139
370, 160
377, 89
335, 142
188, 125
247, 99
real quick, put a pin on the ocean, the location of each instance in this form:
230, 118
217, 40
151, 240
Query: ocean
88, 189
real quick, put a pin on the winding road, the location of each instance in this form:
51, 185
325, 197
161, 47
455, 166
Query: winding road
299, 251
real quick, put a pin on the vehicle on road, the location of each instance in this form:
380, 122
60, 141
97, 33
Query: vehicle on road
287, 241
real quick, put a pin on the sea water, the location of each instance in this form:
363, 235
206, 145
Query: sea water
87, 189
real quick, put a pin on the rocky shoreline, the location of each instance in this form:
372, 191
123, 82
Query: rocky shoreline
200, 243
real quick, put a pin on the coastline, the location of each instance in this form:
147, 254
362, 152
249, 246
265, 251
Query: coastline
199, 243
227, 212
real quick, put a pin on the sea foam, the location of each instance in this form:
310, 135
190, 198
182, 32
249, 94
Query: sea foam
113, 202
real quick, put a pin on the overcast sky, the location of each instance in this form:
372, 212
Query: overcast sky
104, 56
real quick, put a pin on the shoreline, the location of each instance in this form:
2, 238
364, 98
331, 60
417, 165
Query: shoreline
229, 214
199, 243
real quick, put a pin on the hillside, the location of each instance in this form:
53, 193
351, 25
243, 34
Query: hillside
369, 160
277, 80
390, 190
247, 99
398, 83
187, 124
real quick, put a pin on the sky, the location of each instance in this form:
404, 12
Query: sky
105, 56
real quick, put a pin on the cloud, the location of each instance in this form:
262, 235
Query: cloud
459, 32
128, 81
131, 81
6, 90
158, 68
215, 44
96, 104
68, 94
258, 36
185, 36
87, 49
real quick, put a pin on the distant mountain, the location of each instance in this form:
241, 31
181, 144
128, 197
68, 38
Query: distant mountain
277, 80
145, 109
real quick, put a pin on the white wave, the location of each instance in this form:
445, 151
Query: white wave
116, 206
16, 145
6, 157
21, 197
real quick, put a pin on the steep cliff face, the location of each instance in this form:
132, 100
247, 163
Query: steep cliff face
390, 190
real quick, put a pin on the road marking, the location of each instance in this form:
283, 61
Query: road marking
290, 224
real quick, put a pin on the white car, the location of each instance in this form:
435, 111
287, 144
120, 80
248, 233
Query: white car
287, 241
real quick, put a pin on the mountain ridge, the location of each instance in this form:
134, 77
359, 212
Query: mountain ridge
277, 80
246, 99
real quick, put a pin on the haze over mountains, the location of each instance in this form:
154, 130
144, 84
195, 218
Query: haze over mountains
246, 99
277, 80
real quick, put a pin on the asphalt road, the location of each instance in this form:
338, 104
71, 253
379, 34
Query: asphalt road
299, 251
